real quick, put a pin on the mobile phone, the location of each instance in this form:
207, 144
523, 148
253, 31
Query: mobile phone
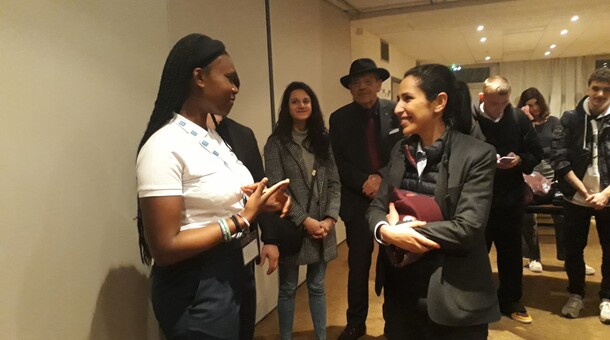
506, 159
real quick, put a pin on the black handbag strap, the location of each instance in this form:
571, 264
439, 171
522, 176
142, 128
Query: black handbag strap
314, 174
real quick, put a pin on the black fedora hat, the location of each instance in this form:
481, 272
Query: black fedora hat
364, 65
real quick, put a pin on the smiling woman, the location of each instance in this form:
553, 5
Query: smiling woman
193, 218
299, 149
451, 292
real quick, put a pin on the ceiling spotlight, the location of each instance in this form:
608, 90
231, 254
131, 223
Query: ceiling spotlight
575, 18
481, 27
563, 32
483, 39
552, 46
487, 58
547, 53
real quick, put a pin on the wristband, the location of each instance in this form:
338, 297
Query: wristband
226, 232
236, 222
245, 219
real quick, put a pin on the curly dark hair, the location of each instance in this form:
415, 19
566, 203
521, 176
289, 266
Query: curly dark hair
317, 140
533, 93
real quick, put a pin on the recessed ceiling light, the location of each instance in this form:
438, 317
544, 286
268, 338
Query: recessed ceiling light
480, 28
564, 32
547, 52
552, 46
487, 58
483, 39
575, 18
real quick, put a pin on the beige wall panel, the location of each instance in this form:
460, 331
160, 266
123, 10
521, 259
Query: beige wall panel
78, 83
241, 26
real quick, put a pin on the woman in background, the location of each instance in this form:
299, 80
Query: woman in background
449, 292
298, 149
192, 212
533, 104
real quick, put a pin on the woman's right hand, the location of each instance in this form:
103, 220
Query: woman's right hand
262, 199
314, 228
526, 110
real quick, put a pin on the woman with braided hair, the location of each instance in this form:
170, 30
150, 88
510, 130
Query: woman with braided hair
193, 211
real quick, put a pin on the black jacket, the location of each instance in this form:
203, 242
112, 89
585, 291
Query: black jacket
348, 139
461, 291
572, 144
513, 133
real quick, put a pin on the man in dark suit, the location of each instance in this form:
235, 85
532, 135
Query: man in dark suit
243, 143
362, 134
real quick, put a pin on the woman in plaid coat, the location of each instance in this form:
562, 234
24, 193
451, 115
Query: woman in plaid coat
299, 149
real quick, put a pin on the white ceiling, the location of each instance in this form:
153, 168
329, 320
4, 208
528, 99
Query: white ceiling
444, 31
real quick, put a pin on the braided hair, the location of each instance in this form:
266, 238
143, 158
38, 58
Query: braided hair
193, 51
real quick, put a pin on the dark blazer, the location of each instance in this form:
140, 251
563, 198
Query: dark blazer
348, 139
286, 161
244, 145
461, 291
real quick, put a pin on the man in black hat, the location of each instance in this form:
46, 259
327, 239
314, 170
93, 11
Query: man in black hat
362, 134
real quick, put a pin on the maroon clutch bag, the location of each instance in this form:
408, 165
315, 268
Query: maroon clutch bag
411, 206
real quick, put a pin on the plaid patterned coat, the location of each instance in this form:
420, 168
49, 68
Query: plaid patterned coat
286, 161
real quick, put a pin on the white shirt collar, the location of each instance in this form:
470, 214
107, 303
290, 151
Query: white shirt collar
484, 114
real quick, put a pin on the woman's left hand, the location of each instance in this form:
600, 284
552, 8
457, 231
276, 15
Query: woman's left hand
327, 224
277, 200
404, 236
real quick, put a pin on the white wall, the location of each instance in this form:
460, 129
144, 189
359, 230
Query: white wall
79, 80
367, 45
77, 86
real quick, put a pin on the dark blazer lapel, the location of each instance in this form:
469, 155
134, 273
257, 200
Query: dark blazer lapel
386, 112
397, 169
441, 196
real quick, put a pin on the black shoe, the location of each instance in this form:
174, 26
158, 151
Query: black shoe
352, 333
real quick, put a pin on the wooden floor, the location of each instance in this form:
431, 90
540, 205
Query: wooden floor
544, 294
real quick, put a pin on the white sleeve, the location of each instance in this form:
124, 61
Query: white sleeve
377, 235
159, 171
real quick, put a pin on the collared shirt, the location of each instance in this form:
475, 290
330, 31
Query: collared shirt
484, 114
174, 163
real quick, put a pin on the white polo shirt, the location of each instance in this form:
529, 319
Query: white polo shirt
183, 159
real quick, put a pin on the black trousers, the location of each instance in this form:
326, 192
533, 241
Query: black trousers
504, 231
210, 296
406, 318
360, 244
578, 220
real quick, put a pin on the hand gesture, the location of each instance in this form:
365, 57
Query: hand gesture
271, 199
